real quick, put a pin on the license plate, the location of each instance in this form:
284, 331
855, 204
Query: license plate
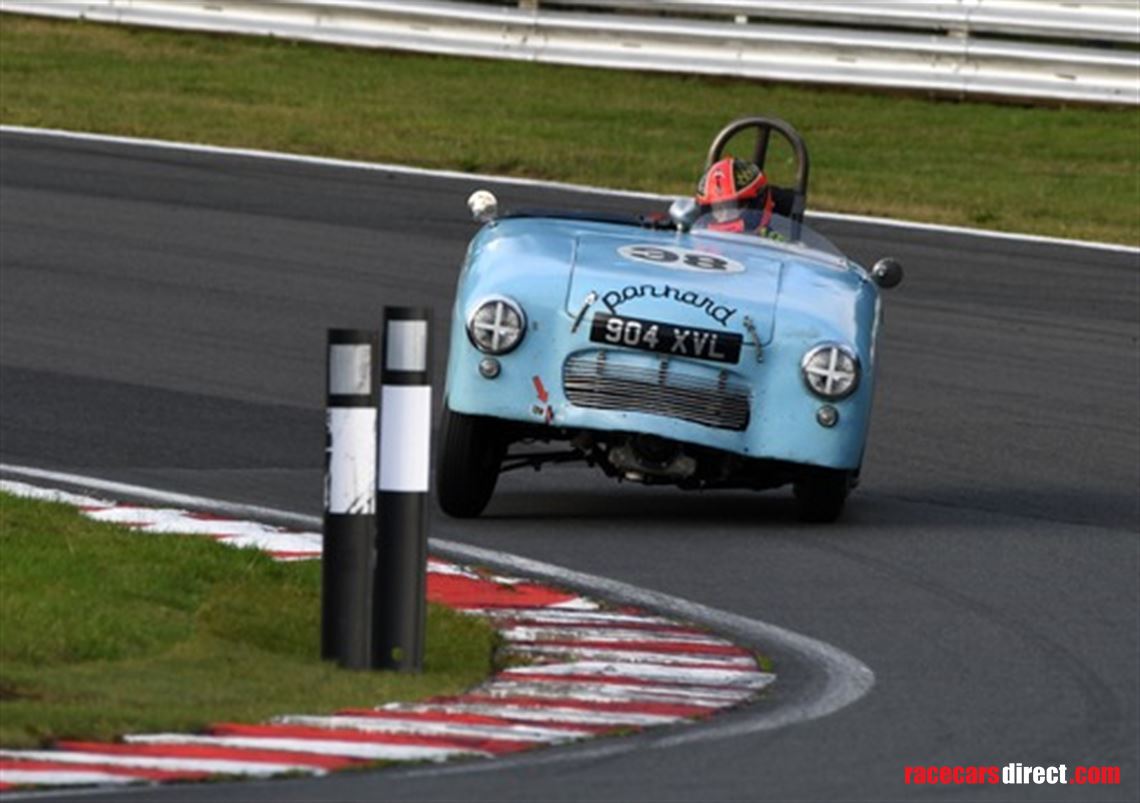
666, 338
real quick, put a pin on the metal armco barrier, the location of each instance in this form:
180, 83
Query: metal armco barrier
1036, 49
350, 498
1108, 20
399, 582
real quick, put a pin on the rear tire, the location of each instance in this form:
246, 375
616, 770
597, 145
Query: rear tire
821, 494
468, 465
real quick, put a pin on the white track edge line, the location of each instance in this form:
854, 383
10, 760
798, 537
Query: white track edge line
325, 161
845, 680
164, 497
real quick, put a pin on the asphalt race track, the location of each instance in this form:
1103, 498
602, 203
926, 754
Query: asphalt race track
162, 322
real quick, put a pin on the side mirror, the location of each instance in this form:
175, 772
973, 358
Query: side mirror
684, 213
887, 273
483, 205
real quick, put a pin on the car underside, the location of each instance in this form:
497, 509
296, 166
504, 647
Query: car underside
502, 446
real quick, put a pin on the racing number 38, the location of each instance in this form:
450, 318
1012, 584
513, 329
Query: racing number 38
680, 258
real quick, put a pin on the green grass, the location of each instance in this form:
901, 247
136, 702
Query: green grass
104, 631
1071, 172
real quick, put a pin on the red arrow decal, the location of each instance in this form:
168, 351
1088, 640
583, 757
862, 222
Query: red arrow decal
540, 390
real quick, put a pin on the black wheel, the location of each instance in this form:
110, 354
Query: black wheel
821, 494
468, 465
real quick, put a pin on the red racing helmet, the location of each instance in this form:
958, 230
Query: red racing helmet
731, 181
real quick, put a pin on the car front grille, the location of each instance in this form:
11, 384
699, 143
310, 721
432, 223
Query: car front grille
596, 379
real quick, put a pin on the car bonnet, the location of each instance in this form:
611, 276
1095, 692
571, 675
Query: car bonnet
712, 284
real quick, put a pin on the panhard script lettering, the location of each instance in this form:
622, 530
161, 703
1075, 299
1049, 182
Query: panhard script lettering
721, 313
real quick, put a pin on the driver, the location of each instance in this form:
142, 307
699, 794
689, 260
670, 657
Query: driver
734, 196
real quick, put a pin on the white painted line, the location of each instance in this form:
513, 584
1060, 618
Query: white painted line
616, 635
551, 616
178, 522
243, 534
964, 231
372, 751
522, 733
443, 567
251, 153
168, 520
633, 656
609, 693
164, 497
552, 714
48, 495
272, 543
215, 766
748, 678
504, 581
63, 778
576, 604
321, 161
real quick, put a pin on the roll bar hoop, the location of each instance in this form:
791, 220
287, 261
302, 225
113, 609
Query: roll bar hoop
764, 127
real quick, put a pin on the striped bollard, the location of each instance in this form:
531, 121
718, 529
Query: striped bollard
399, 585
350, 498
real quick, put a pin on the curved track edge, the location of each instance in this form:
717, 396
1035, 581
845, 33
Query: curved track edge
254, 153
816, 678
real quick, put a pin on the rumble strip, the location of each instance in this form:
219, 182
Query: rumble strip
591, 671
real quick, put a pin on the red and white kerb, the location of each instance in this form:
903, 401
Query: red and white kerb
591, 671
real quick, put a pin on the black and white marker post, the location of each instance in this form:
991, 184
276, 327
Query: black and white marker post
399, 590
350, 498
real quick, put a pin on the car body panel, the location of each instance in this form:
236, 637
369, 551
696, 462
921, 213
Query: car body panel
644, 288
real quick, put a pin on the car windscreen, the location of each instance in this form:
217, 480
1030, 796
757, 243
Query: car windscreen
778, 228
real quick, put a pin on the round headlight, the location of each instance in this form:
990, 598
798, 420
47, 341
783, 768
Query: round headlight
496, 326
831, 371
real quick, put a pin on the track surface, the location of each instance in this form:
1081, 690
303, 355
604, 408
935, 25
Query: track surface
162, 321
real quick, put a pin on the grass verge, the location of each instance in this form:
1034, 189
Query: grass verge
104, 632
1069, 172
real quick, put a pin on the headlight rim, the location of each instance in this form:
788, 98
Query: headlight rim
495, 299
847, 351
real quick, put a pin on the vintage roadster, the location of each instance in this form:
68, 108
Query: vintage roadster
663, 348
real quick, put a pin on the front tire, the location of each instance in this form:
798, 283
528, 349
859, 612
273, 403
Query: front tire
468, 465
821, 494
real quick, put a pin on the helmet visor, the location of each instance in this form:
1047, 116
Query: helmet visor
726, 211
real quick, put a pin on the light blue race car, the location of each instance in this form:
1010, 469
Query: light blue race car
664, 349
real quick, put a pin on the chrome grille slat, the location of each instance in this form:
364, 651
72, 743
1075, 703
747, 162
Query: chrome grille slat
593, 380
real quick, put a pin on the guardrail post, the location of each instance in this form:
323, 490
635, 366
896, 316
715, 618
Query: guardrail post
350, 498
399, 581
